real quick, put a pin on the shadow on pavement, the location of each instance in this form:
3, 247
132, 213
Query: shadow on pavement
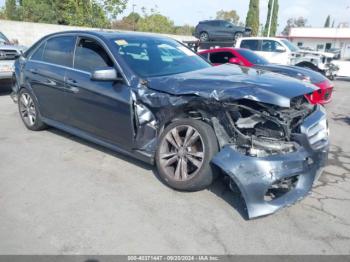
5, 87
341, 118
220, 187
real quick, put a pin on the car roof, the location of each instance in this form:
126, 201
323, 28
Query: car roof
214, 20
112, 34
261, 38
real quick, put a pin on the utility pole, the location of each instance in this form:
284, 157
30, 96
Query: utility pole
134, 17
270, 22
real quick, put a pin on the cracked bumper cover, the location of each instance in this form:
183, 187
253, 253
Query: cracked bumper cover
254, 176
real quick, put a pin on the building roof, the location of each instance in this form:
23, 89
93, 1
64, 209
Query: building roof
311, 32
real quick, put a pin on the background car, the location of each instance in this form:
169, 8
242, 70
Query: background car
245, 57
218, 30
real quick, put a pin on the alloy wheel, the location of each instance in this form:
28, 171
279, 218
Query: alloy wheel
204, 37
182, 153
27, 109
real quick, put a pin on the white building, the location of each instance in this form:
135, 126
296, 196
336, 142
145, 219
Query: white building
321, 39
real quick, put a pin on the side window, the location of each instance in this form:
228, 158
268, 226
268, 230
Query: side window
90, 56
221, 57
215, 23
38, 54
250, 44
205, 56
59, 50
270, 46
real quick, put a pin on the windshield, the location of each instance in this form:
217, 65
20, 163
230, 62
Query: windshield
252, 57
292, 47
150, 57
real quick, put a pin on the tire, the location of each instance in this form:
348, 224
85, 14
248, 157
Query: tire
238, 35
187, 168
204, 36
28, 110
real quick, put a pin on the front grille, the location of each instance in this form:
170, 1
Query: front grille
8, 54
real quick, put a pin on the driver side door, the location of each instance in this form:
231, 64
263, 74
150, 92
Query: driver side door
100, 108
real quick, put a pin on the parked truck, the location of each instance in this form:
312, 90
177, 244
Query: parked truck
282, 51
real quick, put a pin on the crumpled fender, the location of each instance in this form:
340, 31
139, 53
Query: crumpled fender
254, 176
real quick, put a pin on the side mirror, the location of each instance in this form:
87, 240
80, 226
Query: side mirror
107, 74
280, 49
234, 60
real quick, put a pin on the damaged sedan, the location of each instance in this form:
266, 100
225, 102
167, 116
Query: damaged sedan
152, 98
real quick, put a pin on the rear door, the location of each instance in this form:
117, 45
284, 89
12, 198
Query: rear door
101, 108
45, 71
216, 30
227, 31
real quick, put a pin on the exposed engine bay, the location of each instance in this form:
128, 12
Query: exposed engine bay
259, 129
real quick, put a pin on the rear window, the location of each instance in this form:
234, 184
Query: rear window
59, 50
221, 57
250, 44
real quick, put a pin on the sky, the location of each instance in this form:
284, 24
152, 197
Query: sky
192, 11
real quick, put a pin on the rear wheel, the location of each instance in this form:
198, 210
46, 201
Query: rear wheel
28, 110
183, 158
204, 37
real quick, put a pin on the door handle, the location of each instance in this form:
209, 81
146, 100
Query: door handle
72, 85
72, 82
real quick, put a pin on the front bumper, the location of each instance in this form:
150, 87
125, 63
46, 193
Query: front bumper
6, 69
256, 176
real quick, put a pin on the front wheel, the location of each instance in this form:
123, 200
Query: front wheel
186, 148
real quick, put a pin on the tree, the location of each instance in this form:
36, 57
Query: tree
230, 16
274, 18
92, 13
253, 17
184, 30
11, 10
128, 22
294, 22
113, 7
155, 22
328, 21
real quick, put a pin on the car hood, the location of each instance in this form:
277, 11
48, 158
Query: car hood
294, 71
231, 82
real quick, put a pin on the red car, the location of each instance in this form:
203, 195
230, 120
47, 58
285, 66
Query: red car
245, 57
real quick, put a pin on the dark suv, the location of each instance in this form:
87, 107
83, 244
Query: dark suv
215, 30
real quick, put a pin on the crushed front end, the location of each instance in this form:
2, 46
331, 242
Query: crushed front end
275, 154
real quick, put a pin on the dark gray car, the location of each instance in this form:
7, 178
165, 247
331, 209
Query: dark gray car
215, 30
